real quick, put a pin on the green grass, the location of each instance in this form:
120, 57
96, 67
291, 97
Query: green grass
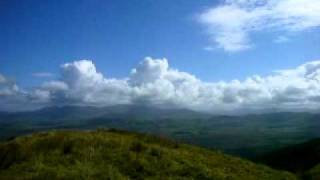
115, 154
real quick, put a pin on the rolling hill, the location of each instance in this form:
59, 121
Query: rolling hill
116, 154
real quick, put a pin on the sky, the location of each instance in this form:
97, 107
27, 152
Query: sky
217, 56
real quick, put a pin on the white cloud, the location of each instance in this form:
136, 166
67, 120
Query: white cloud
42, 74
231, 24
55, 86
148, 71
7, 87
2, 79
281, 39
209, 48
86, 85
12, 98
154, 82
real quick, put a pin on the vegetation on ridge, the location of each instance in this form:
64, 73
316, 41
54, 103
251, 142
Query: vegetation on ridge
114, 154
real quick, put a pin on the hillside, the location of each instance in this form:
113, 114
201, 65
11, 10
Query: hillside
314, 173
296, 158
115, 154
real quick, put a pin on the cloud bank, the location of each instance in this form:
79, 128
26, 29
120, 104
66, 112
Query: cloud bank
230, 24
153, 82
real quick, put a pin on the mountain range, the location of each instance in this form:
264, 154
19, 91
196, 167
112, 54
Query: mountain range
245, 135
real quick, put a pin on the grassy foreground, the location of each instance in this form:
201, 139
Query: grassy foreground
114, 154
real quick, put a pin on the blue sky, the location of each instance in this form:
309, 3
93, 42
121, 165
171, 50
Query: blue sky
212, 40
39, 36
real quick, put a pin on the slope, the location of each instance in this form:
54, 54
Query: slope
115, 154
296, 158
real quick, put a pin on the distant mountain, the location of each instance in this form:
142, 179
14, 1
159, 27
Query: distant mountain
121, 155
56, 113
245, 135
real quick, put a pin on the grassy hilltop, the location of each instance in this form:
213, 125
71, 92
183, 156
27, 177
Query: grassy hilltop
114, 154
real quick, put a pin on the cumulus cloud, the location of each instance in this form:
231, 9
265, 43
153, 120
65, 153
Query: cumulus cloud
153, 82
110, 91
7, 87
231, 23
12, 98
